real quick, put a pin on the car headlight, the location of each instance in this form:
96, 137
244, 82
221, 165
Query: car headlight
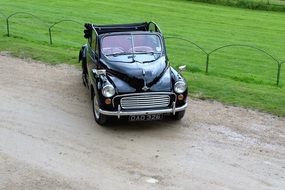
108, 91
180, 87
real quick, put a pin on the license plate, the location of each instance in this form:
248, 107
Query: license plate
151, 117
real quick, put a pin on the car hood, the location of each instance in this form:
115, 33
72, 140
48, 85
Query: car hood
139, 75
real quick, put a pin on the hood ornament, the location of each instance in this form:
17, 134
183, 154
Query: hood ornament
145, 88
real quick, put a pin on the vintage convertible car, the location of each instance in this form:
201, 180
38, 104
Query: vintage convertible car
127, 71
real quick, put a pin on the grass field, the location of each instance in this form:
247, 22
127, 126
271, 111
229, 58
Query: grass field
268, 5
238, 76
268, 2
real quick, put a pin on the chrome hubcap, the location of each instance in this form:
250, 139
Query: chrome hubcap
96, 108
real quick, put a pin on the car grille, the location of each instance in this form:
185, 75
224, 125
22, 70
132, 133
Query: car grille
145, 101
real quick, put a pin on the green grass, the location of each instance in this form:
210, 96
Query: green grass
268, 5
238, 76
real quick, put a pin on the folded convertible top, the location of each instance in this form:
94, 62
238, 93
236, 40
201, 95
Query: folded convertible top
101, 29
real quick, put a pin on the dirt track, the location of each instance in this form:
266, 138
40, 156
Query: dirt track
49, 140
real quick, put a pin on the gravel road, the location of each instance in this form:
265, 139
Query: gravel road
49, 140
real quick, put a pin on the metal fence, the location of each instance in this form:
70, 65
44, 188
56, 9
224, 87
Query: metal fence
208, 54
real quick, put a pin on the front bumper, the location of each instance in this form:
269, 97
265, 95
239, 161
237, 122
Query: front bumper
120, 112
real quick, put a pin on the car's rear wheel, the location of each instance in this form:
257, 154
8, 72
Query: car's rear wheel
99, 118
178, 115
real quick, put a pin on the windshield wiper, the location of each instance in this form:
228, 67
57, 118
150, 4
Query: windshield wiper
117, 54
146, 52
149, 61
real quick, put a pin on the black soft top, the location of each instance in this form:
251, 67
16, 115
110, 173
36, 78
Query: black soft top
102, 29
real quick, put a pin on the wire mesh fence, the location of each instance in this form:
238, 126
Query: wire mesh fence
59, 22
207, 54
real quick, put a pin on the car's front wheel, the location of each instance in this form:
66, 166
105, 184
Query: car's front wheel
99, 118
84, 72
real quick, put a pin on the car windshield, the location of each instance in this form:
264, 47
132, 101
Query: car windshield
132, 47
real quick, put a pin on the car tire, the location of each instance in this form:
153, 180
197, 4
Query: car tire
99, 118
84, 80
84, 72
178, 115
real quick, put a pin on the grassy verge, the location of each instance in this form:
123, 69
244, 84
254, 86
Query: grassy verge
238, 76
267, 5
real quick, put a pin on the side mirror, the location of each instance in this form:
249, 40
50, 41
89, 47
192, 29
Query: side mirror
182, 68
98, 73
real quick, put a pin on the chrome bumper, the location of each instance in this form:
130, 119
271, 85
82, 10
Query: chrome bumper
120, 112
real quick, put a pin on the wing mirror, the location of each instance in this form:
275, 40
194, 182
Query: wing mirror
99, 72
182, 68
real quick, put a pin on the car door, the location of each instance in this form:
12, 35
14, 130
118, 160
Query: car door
92, 58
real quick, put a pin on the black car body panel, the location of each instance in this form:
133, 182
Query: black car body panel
139, 74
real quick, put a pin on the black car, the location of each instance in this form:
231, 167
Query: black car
127, 71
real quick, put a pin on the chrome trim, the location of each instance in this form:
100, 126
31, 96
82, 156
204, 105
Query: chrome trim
145, 101
120, 113
144, 93
182, 68
173, 108
156, 26
99, 72
94, 30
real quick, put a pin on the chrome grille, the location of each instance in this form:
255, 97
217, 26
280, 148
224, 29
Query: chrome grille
145, 101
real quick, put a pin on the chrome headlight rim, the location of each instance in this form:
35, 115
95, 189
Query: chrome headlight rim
108, 91
180, 87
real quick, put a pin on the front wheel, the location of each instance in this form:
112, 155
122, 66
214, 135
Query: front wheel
99, 118
178, 115
84, 71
